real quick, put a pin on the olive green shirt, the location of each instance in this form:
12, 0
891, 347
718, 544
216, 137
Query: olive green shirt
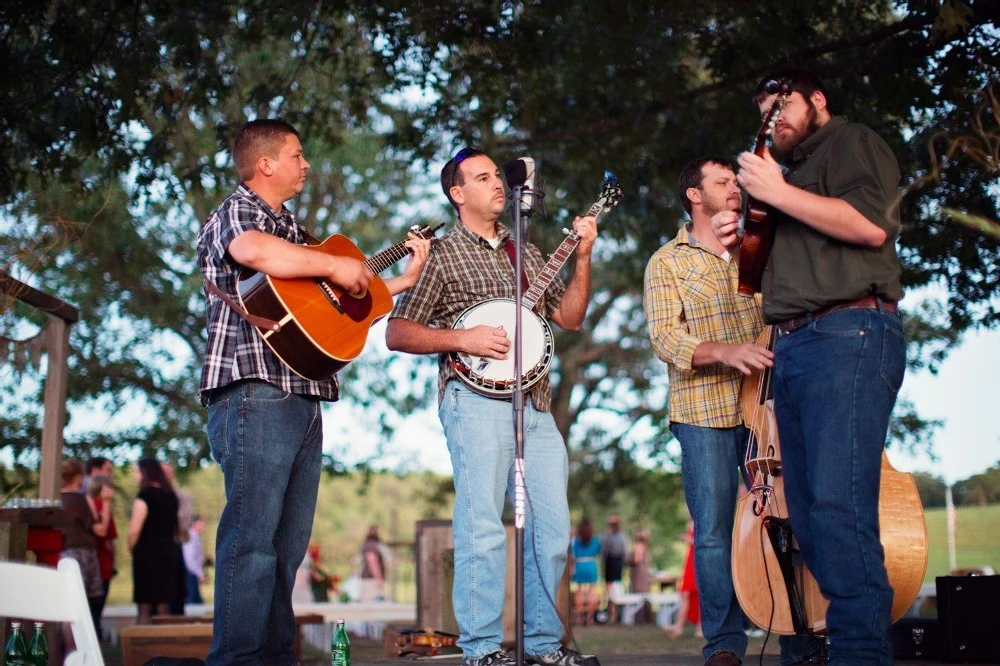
808, 270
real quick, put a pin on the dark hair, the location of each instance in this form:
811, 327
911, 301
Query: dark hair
256, 139
151, 472
801, 81
691, 176
585, 531
96, 462
451, 174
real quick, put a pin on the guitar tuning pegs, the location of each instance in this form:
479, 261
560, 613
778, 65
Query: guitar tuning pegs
566, 232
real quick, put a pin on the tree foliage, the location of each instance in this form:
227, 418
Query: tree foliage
117, 118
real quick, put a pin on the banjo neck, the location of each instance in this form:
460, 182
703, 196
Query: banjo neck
557, 260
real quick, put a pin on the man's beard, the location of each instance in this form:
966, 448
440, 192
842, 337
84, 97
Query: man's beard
787, 143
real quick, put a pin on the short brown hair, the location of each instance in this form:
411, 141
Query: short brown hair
256, 139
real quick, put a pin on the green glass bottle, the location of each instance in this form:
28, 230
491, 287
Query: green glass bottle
340, 646
16, 653
38, 650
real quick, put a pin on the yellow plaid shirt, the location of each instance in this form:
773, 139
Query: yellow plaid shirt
690, 297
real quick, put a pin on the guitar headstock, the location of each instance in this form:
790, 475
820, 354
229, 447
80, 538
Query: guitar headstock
611, 192
425, 231
782, 90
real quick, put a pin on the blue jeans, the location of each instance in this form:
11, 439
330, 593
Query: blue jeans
269, 444
836, 381
710, 471
480, 437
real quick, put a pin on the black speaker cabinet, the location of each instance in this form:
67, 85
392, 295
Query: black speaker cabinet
968, 612
915, 638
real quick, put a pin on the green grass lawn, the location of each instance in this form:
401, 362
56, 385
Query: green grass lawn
977, 539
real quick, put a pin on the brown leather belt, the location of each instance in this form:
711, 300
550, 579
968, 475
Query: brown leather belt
866, 303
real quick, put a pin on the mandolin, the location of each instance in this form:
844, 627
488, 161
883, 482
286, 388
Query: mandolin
758, 232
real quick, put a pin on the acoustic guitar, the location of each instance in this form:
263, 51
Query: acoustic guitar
317, 328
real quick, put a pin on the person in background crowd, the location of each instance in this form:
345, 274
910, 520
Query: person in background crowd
152, 540
194, 560
688, 589
80, 538
614, 549
586, 549
372, 568
97, 466
101, 490
641, 560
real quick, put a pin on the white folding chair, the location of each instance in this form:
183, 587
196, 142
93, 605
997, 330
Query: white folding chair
45, 594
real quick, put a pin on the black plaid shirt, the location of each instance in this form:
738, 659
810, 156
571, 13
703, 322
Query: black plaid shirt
464, 269
235, 349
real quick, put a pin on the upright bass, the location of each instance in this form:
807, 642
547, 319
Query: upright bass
773, 585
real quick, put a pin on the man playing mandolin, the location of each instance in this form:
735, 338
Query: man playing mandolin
468, 265
264, 421
831, 287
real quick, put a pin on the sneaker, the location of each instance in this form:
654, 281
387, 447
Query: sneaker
497, 658
563, 657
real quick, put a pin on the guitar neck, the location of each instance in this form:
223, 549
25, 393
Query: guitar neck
557, 261
387, 257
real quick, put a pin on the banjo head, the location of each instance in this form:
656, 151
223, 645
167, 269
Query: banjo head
495, 377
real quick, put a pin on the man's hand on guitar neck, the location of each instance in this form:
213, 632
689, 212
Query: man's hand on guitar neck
420, 249
586, 229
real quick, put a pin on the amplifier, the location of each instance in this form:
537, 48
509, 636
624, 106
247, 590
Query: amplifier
968, 610
915, 638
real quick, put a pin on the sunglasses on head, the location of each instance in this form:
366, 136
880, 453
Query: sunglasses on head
459, 157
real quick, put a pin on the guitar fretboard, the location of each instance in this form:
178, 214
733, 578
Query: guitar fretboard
557, 261
387, 257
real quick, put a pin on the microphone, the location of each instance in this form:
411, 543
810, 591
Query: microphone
522, 172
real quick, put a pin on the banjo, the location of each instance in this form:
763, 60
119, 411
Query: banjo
494, 377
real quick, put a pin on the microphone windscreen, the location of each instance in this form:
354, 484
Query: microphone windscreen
516, 172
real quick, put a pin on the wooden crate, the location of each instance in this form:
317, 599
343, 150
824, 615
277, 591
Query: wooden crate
435, 556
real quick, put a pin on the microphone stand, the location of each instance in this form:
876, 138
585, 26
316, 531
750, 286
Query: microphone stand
517, 401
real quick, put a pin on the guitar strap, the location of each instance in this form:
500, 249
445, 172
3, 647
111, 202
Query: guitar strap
509, 246
259, 322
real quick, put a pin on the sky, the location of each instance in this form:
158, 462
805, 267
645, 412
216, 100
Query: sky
967, 443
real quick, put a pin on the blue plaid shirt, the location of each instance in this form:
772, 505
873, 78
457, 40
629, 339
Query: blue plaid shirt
235, 349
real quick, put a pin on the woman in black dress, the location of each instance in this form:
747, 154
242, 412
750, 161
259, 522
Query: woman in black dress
152, 539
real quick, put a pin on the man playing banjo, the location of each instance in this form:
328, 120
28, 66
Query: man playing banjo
471, 264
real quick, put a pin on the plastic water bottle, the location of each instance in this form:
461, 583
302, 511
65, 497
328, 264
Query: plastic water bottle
340, 646
16, 653
38, 650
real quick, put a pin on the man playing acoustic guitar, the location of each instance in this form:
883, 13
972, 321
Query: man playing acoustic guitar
830, 288
264, 421
468, 265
